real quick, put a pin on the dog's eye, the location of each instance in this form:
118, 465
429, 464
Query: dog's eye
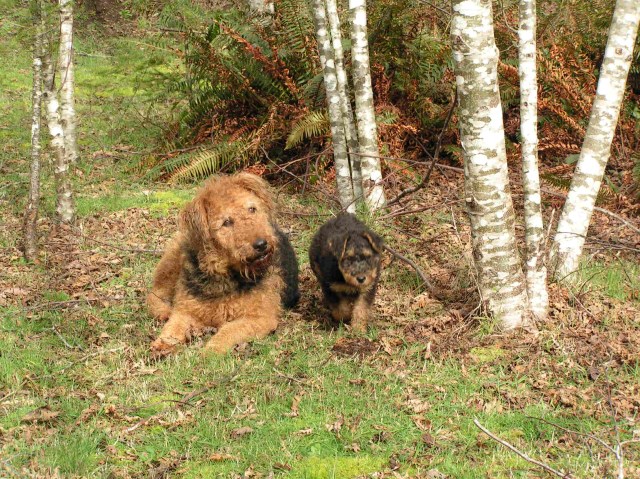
227, 222
252, 209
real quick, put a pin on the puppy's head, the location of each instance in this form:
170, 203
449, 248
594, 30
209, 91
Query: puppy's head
359, 260
230, 224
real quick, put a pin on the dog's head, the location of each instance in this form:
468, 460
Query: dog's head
359, 259
230, 224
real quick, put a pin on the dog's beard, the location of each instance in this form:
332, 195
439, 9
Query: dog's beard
251, 268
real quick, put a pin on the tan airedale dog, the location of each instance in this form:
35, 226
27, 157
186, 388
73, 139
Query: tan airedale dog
346, 256
229, 267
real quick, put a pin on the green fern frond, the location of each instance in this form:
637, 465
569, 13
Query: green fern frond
313, 125
560, 182
313, 91
211, 161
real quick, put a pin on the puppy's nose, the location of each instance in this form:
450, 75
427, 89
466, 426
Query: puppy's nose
361, 279
260, 245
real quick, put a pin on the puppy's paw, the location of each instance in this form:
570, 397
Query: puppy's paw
358, 327
215, 347
162, 347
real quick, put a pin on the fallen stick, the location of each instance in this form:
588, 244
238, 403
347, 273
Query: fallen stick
544, 466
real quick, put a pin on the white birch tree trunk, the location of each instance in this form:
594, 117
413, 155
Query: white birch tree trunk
64, 116
327, 61
261, 7
31, 208
536, 271
502, 283
345, 100
596, 149
67, 80
365, 112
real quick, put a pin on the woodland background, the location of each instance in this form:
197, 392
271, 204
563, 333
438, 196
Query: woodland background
170, 92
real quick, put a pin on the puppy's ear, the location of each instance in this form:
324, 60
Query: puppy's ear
374, 240
338, 245
257, 186
193, 218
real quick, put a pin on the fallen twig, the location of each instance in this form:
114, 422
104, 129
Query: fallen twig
232, 376
119, 248
64, 341
286, 376
544, 466
417, 269
63, 304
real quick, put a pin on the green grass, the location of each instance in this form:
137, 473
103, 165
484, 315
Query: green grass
618, 279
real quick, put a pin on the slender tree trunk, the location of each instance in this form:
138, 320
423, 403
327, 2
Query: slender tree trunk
31, 209
65, 205
327, 61
536, 271
345, 100
261, 7
578, 208
365, 112
490, 209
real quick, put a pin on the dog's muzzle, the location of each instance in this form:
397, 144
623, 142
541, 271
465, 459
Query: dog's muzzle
261, 260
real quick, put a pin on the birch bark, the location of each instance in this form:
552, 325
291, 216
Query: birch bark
327, 61
67, 80
262, 7
31, 208
365, 112
345, 100
587, 178
536, 271
65, 205
501, 281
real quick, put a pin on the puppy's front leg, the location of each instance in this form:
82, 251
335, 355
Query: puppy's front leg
176, 331
256, 326
360, 314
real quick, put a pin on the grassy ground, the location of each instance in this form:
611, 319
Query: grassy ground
80, 397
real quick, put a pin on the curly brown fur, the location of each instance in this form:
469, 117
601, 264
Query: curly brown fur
229, 267
345, 257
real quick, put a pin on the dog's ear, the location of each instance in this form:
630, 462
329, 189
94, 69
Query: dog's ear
257, 186
193, 218
374, 240
338, 245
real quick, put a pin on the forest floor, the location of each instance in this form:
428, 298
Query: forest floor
81, 397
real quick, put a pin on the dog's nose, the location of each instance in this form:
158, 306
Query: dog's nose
260, 245
361, 279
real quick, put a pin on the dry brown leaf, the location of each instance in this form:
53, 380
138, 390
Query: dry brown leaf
418, 405
353, 447
40, 415
335, 426
221, 456
241, 431
87, 413
294, 406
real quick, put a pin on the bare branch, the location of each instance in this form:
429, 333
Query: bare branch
544, 466
417, 269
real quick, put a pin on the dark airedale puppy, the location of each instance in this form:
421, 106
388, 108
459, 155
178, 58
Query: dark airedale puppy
229, 267
345, 256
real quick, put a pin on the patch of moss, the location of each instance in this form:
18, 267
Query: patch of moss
486, 355
336, 467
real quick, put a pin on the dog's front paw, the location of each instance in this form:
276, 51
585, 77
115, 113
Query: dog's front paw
163, 347
217, 345
358, 327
